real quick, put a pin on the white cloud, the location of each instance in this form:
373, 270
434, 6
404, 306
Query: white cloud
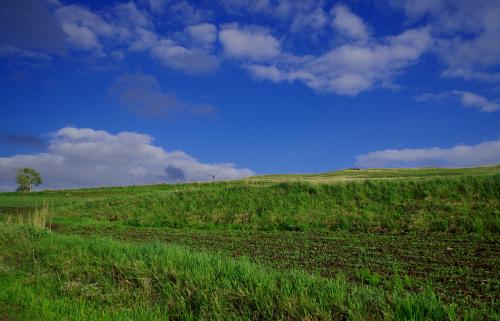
313, 20
121, 25
472, 100
470, 74
126, 27
204, 33
81, 37
84, 29
347, 23
144, 40
251, 42
418, 8
267, 72
467, 32
83, 157
350, 68
157, 5
486, 153
466, 98
80, 16
463, 34
359, 63
7, 51
280, 9
303, 16
129, 14
189, 60
186, 13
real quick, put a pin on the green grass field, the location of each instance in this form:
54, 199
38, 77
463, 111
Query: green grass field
378, 244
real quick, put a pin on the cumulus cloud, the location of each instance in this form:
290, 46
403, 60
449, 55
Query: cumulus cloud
24, 56
144, 40
285, 10
467, 32
125, 27
313, 20
84, 157
462, 33
303, 16
471, 74
251, 42
204, 33
81, 37
350, 68
189, 60
83, 28
128, 13
347, 23
486, 153
186, 13
157, 5
121, 25
472, 100
466, 98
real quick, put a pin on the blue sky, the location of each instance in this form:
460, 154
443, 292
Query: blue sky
97, 92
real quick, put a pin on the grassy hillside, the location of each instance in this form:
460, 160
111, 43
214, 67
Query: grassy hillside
412, 244
453, 203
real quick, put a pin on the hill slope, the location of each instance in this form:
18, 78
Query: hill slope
420, 244
453, 200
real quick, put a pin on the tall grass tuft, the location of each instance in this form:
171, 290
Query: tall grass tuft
40, 217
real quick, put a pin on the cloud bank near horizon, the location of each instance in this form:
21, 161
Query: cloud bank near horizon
84, 157
485, 153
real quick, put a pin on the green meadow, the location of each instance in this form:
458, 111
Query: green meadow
376, 244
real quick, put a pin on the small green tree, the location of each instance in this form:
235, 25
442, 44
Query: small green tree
26, 178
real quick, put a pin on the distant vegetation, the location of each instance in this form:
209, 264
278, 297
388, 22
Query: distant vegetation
403, 244
26, 178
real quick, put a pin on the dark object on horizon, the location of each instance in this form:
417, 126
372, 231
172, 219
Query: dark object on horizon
26, 178
211, 175
353, 169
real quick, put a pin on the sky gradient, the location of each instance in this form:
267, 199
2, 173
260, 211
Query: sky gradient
99, 93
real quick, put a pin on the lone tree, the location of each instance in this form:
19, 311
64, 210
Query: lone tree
26, 178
